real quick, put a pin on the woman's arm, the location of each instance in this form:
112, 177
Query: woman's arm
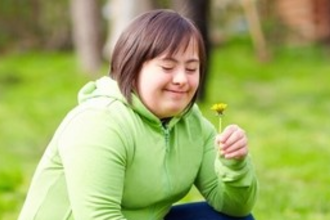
94, 159
229, 185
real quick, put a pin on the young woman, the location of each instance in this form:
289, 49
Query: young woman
136, 143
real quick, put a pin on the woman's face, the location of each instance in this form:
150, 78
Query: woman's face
166, 85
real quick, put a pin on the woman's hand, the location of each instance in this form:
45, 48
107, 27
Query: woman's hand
232, 142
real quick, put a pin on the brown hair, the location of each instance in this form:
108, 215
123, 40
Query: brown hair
148, 36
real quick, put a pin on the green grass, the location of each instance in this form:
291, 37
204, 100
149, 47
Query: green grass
283, 105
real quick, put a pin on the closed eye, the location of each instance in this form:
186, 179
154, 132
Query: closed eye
191, 70
167, 69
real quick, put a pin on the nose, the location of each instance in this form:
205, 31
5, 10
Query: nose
180, 77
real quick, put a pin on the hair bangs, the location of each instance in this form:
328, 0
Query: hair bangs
169, 36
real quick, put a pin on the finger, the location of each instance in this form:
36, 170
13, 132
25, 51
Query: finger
240, 144
218, 139
236, 136
239, 154
227, 132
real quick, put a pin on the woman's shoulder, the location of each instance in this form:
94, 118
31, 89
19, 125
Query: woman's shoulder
98, 114
197, 117
111, 107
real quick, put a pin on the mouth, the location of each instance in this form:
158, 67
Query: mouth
176, 94
176, 91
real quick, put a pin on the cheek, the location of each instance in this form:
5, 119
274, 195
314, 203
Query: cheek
194, 82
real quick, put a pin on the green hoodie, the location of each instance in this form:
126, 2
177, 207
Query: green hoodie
111, 160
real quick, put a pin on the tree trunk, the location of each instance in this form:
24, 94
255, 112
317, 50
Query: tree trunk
86, 21
255, 29
121, 12
198, 11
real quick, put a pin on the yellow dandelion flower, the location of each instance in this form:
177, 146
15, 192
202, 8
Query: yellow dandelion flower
219, 108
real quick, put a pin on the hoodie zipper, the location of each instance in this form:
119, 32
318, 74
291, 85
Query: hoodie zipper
166, 132
167, 137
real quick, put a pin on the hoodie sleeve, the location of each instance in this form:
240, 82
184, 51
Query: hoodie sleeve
94, 159
229, 186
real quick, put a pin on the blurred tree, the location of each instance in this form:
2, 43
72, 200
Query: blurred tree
256, 32
34, 24
16, 22
160, 3
54, 23
119, 14
86, 30
199, 12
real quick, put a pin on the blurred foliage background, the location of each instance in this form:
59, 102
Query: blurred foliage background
281, 99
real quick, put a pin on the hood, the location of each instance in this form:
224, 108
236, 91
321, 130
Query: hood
106, 87
103, 87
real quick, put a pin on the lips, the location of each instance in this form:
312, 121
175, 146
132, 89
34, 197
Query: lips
176, 91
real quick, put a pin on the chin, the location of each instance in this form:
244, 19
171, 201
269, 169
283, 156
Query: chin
174, 108
176, 111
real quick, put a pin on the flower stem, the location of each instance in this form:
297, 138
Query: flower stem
220, 125
219, 155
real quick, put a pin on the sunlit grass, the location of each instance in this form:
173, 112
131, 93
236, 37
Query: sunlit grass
283, 105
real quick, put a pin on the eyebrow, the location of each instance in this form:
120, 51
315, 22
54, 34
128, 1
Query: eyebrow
192, 60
